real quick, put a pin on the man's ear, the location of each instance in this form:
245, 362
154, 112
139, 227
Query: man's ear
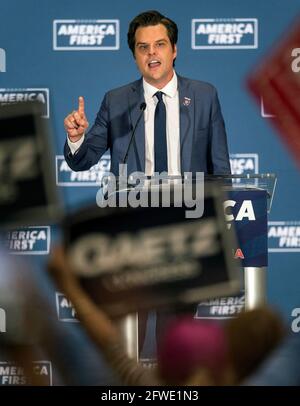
175, 51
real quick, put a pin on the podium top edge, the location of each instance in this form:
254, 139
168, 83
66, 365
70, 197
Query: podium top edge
244, 176
205, 176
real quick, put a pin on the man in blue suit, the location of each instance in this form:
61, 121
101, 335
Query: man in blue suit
182, 130
195, 132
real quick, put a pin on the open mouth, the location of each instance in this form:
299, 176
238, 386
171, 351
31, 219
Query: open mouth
154, 64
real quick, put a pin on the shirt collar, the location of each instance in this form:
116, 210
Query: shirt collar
169, 90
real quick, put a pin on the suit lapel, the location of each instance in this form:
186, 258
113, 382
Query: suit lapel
186, 111
136, 97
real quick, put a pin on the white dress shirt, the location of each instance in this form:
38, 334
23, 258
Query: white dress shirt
171, 100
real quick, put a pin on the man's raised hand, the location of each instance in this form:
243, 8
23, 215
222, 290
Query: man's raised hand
76, 122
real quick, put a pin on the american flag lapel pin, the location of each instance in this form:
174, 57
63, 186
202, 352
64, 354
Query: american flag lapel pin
186, 101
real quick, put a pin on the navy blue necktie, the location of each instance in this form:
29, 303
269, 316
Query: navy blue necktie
160, 136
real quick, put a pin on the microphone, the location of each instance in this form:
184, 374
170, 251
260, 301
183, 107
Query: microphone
142, 108
105, 193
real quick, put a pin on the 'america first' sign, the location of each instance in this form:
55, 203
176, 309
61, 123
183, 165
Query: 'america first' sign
224, 33
86, 35
12, 96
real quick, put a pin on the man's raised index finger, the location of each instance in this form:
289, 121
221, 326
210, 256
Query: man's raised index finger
81, 105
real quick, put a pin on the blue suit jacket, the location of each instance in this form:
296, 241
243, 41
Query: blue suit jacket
203, 144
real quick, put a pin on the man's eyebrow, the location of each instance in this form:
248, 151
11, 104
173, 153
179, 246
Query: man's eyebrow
146, 43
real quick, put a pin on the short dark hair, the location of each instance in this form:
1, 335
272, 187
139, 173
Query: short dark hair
147, 18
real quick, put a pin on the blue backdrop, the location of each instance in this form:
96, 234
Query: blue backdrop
41, 58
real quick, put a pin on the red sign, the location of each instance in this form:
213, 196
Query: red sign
276, 86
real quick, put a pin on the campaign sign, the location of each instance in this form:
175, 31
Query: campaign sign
27, 187
151, 257
276, 82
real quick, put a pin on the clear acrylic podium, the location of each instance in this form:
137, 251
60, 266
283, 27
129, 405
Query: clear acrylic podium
254, 275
